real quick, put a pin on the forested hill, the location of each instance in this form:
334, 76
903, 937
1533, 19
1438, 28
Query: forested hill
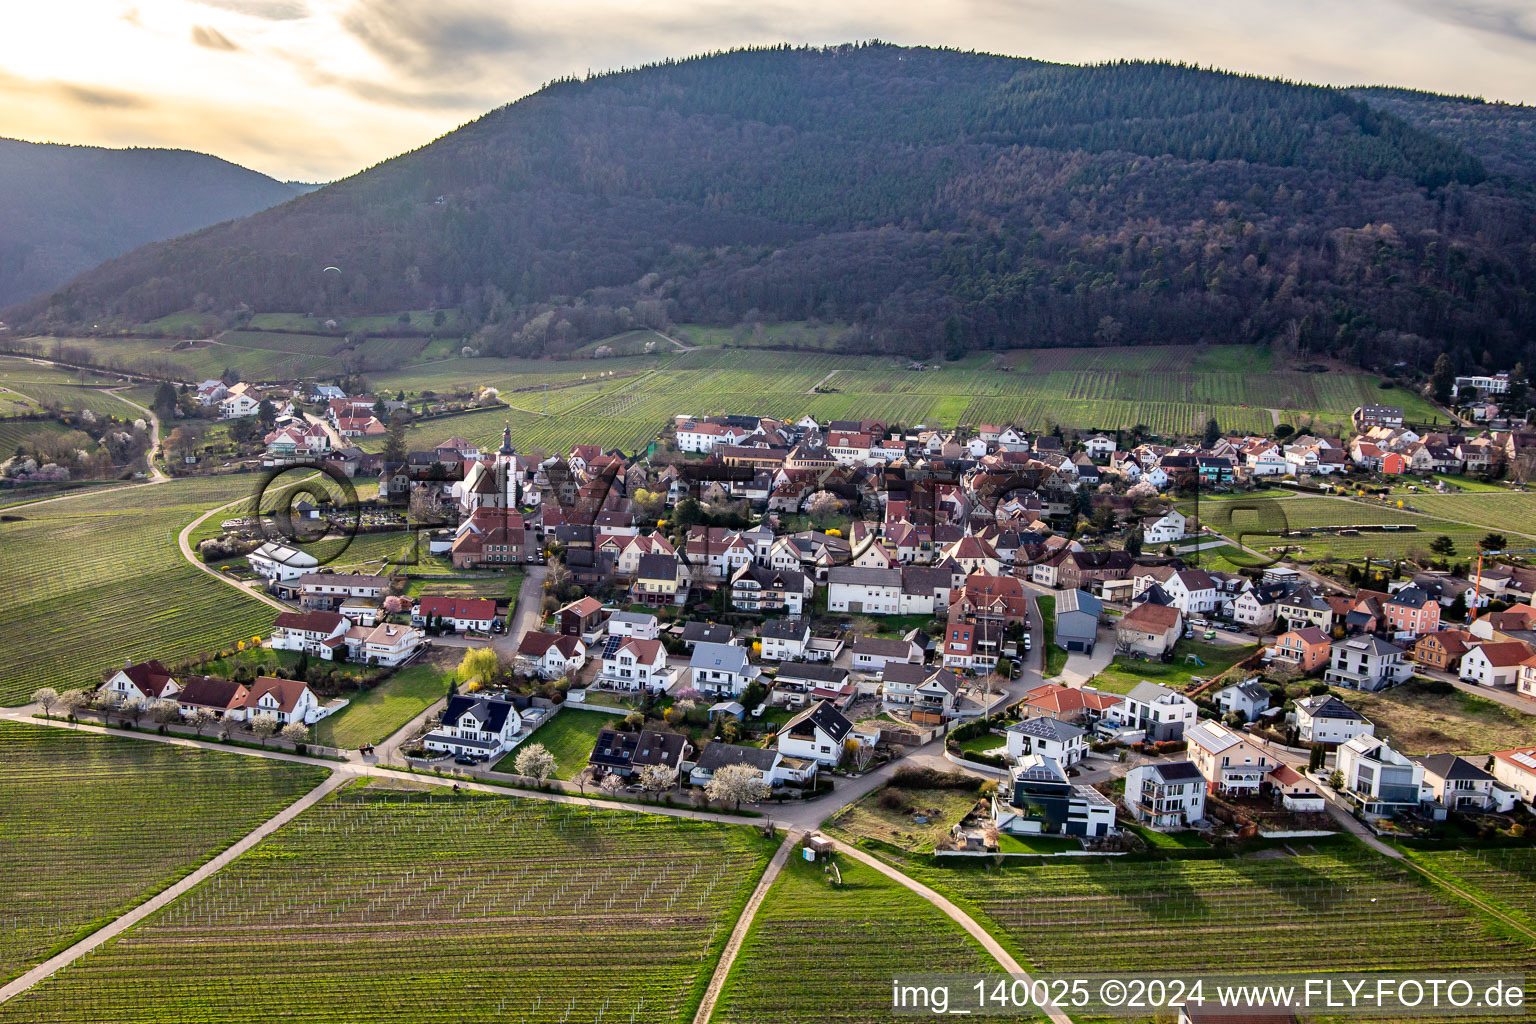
1501, 135
64, 209
931, 200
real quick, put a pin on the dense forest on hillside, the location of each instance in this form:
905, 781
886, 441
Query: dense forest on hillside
64, 209
934, 201
1501, 135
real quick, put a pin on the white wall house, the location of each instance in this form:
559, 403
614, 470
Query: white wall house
816, 734
1166, 795
631, 663
479, 726
1062, 742
720, 669
1326, 719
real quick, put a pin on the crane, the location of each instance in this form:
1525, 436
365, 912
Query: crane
1477, 583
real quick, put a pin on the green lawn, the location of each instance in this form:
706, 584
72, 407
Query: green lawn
1122, 674
1055, 658
1170, 840
1036, 844
374, 715
262, 660
569, 736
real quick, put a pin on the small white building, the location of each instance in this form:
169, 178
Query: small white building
720, 670
474, 725
281, 561
632, 663
551, 655
1250, 696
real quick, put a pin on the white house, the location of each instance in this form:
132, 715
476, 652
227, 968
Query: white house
919, 689
633, 663
1250, 696
1166, 795
864, 591
1516, 769
317, 633
873, 653
148, 680
720, 669
474, 725
773, 767
1230, 762
1099, 446
383, 644
1062, 742
462, 613
816, 734
1158, 711
1379, 779
1164, 529
551, 655
1458, 784
280, 561
643, 625
1367, 663
783, 639
1326, 719
287, 700
239, 400
1496, 663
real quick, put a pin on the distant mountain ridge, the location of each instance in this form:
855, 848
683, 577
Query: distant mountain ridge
65, 209
934, 201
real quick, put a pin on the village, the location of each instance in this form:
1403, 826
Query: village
758, 609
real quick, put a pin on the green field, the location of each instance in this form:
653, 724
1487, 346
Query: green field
97, 578
823, 952
1054, 659
1123, 674
1503, 878
569, 736
1107, 915
374, 715
91, 825
393, 904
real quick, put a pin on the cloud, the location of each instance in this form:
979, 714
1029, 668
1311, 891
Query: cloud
1491, 17
94, 96
267, 10
211, 38
431, 41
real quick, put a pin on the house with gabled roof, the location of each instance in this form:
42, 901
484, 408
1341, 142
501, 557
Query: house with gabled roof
633, 663
1230, 762
1078, 705
783, 639
551, 655
317, 633
220, 697
476, 725
875, 654
774, 768
1516, 769
1495, 663
816, 734
1326, 719
720, 670
287, 700
1149, 629
148, 680
926, 692
1062, 742
626, 753
1162, 714
1250, 697
1166, 795
1460, 785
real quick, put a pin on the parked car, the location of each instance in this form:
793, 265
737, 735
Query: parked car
1209, 634
466, 759
1026, 641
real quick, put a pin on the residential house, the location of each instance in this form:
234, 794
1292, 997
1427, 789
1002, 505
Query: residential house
1162, 714
1041, 800
783, 639
1294, 791
475, 725
628, 753
1495, 663
326, 591
1367, 663
1379, 779
1164, 529
696, 632
1255, 607
864, 591
1166, 795
279, 562
458, 613
816, 734
998, 598
1062, 742
633, 663
1306, 649
220, 697
384, 643
1304, 607
1326, 719
926, 692
802, 677
720, 670
583, 617
637, 624
1231, 764
1249, 697
874, 654
287, 700
1411, 613
756, 588
1525, 682
660, 580
147, 681
551, 655
1516, 769
1077, 620
774, 767
317, 633
1458, 784
1443, 650
1078, 705
1149, 629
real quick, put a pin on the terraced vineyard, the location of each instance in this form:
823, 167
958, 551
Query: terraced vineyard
823, 952
92, 825
96, 578
1511, 513
1116, 916
413, 906
1503, 878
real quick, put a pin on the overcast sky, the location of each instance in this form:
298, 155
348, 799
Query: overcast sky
318, 89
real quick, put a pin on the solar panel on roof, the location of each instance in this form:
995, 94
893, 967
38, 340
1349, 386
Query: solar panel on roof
1526, 759
611, 646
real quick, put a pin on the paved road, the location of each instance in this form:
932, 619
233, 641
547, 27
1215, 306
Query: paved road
165, 896
187, 553
337, 441
743, 925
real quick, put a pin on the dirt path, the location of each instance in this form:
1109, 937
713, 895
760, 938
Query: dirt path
143, 910
744, 925
954, 913
812, 389
1274, 417
156, 474
680, 346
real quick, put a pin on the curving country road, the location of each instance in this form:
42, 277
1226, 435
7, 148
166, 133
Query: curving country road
156, 474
